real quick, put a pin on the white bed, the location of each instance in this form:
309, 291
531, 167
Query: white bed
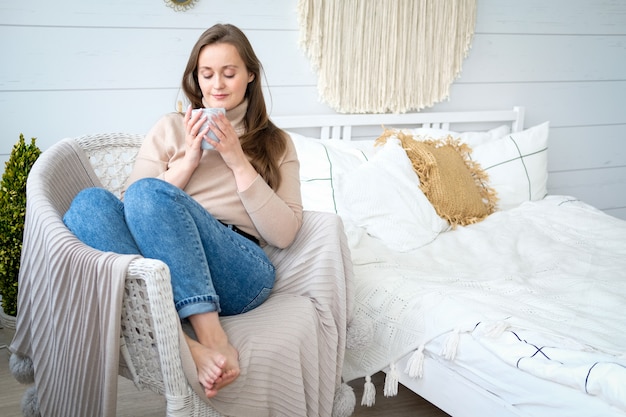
520, 314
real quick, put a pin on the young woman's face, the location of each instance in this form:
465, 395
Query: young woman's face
222, 76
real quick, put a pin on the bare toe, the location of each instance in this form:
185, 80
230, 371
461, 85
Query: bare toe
210, 393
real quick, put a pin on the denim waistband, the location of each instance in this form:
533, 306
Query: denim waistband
241, 232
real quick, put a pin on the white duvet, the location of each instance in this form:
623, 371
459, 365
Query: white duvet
542, 286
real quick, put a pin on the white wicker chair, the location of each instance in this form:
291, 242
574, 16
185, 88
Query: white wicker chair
151, 345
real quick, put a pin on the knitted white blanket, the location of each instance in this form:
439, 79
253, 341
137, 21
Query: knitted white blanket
542, 286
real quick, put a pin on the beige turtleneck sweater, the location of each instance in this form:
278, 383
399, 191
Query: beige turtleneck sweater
273, 216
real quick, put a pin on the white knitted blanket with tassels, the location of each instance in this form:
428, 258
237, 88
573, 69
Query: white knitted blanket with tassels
550, 273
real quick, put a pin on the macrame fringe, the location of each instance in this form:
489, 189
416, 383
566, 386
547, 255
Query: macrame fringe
415, 365
369, 393
391, 381
385, 56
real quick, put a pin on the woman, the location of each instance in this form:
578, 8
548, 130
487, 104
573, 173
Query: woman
207, 213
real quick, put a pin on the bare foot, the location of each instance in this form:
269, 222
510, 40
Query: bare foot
213, 350
230, 369
209, 364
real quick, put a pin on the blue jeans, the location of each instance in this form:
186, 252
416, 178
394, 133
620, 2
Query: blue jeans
212, 268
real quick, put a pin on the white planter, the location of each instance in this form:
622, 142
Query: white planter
6, 320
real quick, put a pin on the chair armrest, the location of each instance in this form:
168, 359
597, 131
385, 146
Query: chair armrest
151, 339
150, 330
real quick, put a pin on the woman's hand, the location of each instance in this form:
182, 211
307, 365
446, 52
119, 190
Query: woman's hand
181, 173
230, 149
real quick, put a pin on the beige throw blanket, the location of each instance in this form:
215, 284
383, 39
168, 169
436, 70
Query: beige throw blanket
291, 348
69, 302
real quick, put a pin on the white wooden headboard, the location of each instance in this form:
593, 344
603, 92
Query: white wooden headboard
339, 126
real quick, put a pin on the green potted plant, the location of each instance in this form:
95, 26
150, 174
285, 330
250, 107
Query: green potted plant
12, 213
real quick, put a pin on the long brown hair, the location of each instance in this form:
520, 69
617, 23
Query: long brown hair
263, 142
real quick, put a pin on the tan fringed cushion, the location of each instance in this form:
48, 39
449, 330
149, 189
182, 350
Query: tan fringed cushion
454, 184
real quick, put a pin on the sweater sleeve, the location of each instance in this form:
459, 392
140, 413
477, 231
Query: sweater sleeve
160, 146
277, 216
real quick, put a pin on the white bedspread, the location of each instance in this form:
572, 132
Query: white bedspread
542, 286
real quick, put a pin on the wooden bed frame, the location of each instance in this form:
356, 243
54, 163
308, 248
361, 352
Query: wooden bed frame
445, 388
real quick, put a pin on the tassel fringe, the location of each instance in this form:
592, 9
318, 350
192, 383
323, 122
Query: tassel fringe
451, 345
415, 365
391, 381
369, 393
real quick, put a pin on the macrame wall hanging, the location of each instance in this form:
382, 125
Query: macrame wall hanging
381, 56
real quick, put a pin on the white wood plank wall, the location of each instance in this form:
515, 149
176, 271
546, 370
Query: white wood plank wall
88, 66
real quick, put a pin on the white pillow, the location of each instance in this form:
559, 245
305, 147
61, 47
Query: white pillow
471, 138
321, 163
517, 165
383, 197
